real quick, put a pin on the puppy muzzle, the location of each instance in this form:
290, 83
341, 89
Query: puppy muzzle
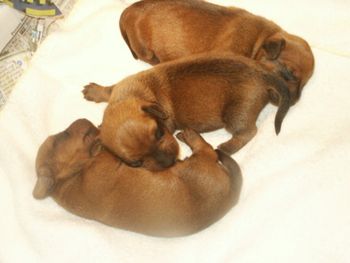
164, 159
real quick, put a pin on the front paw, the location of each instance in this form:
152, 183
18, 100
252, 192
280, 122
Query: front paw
180, 136
190, 137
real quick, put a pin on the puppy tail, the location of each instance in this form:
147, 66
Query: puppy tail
234, 171
280, 87
122, 22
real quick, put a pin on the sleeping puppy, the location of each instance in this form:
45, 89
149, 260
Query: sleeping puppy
193, 26
200, 92
87, 180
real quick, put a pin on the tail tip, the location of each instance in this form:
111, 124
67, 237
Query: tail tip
277, 128
277, 131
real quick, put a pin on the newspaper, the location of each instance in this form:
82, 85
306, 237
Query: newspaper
20, 35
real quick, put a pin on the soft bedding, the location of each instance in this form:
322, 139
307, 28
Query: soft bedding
294, 205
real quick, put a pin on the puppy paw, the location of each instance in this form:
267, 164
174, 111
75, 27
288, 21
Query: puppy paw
180, 136
94, 92
188, 136
193, 140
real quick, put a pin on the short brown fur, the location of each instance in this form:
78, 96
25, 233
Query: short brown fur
163, 30
200, 92
89, 181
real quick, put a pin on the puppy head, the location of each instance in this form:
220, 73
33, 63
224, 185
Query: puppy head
134, 131
290, 57
63, 155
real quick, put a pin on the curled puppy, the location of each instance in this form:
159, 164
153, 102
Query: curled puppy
193, 26
200, 92
89, 181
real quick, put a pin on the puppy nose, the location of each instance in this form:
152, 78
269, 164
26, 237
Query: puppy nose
164, 159
167, 163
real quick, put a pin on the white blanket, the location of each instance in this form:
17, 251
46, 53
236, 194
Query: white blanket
294, 205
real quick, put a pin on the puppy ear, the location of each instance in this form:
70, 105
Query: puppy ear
155, 110
96, 148
273, 47
44, 183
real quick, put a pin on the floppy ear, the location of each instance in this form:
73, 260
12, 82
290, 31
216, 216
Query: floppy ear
96, 148
44, 183
155, 110
273, 46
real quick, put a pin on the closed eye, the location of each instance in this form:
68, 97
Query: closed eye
136, 164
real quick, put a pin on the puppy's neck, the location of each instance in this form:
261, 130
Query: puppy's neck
104, 160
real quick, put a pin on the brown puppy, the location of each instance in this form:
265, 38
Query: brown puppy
200, 92
163, 30
89, 181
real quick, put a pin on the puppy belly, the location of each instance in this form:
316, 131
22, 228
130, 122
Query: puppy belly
199, 124
198, 101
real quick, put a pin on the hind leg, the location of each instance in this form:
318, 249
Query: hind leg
97, 93
140, 51
240, 121
238, 140
135, 34
140, 47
